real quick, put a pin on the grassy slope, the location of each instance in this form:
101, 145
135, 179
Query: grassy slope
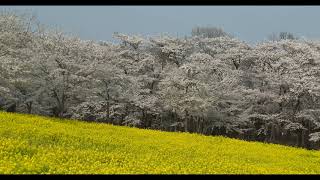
34, 144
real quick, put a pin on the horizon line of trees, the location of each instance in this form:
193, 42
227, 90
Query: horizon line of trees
210, 83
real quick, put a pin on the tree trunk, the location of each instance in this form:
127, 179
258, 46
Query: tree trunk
272, 132
58, 110
191, 124
303, 138
308, 144
298, 143
108, 107
186, 122
108, 100
198, 125
29, 107
12, 108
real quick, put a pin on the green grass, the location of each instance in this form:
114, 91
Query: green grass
39, 145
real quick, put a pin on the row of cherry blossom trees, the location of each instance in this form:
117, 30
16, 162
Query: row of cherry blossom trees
208, 85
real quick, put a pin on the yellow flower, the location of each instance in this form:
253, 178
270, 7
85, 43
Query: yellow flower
38, 145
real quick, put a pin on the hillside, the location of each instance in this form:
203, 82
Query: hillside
33, 145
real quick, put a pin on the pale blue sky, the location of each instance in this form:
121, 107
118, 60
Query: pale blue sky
249, 23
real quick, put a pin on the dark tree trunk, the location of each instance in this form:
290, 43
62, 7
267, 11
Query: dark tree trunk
55, 111
12, 108
198, 125
29, 107
298, 138
59, 109
307, 142
303, 132
108, 107
186, 122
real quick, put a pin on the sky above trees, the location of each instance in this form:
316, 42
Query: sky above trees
249, 23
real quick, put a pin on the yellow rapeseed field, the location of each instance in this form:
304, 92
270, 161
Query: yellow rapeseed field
38, 145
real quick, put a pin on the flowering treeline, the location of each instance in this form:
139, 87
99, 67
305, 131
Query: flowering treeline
213, 86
